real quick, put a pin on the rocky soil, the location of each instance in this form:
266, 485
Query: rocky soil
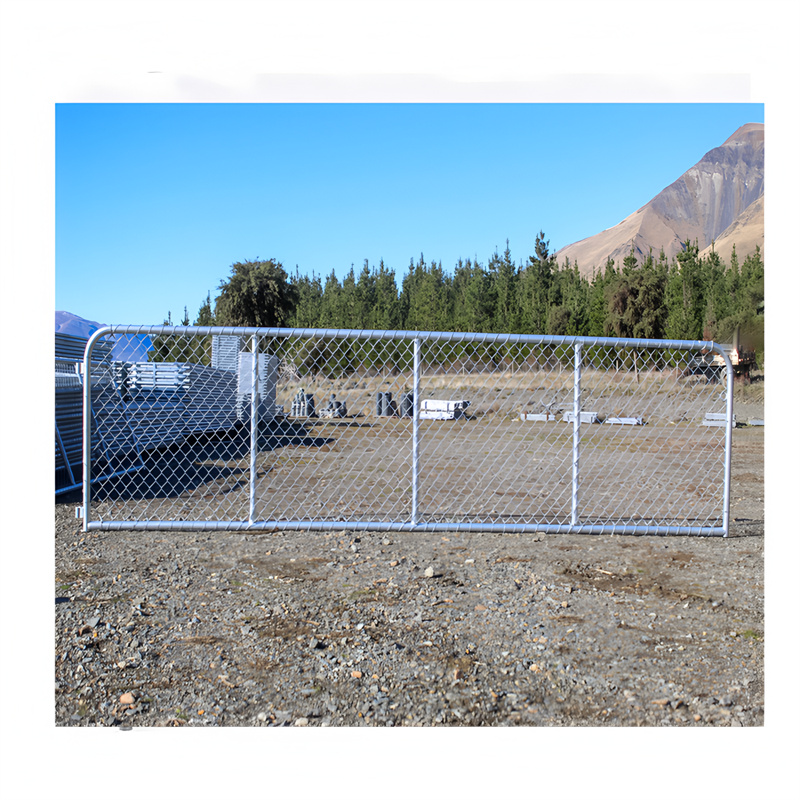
310, 629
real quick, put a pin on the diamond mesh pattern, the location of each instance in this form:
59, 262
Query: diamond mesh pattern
337, 436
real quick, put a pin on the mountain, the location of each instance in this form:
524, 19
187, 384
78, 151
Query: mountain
73, 325
720, 200
746, 231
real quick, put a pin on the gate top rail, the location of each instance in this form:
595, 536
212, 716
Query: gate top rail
438, 336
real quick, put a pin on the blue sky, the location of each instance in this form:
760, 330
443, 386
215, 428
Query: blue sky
155, 202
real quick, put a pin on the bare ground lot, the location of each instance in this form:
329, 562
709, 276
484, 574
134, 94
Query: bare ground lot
335, 629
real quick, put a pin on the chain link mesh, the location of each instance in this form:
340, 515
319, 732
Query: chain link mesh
375, 429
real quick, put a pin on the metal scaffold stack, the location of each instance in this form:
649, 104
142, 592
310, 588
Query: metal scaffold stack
69, 407
137, 406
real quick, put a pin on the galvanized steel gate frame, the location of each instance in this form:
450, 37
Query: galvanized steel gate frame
414, 523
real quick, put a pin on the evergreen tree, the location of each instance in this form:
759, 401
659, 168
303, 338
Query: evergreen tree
636, 300
333, 312
504, 278
308, 310
387, 303
257, 294
205, 315
599, 300
717, 297
472, 294
534, 288
684, 296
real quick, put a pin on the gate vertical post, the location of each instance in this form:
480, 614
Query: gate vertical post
253, 428
415, 438
87, 433
576, 433
726, 490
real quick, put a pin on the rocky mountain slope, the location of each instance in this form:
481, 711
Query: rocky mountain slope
719, 200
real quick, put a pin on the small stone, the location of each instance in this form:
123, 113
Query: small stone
93, 622
386, 542
262, 716
393, 563
302, 722
429, 572
564, 604
314, 643
356, 673
127, 699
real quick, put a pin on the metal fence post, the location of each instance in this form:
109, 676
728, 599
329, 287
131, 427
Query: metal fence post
726, 491
254, 397
576, 433
415, 438
87, 434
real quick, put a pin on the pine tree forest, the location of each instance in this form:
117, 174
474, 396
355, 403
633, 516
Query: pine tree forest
691, 297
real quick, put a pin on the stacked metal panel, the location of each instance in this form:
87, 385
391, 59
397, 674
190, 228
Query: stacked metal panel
69, 351
210, 400
68, 429
154, 405
71, 348
225, 352
141, 406
267, 385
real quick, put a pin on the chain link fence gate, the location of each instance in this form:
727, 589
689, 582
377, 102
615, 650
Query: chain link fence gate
405, 431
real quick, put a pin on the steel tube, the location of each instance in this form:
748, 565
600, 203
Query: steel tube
253, 429
404, 527
415, 438
87, 426
576, 433
434, 336
726, 498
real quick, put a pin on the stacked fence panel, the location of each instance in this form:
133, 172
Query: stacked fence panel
210, 400
137, 407
69, 352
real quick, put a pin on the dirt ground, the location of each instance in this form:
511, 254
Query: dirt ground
336, 629
164, 630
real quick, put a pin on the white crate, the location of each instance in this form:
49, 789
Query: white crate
713, 420
586, 416
443, 409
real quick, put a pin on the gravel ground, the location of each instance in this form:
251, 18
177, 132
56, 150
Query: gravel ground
308, 629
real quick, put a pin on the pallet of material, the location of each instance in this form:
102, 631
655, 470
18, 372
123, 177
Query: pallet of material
586, 416
713, 420
443, 409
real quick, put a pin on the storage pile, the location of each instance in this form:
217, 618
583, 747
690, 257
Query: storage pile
136, 407
69, 407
